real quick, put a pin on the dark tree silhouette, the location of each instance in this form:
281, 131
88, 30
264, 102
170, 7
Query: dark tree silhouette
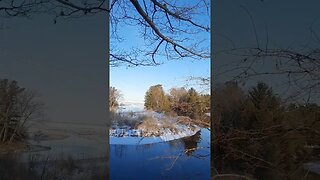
17, 106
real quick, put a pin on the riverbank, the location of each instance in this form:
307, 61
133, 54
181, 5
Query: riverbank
148, 127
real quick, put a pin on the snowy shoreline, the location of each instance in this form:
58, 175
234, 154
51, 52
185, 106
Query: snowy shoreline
136, 140
151, 127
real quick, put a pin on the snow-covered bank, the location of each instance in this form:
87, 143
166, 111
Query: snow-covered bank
155, 128
186, 132
168, 136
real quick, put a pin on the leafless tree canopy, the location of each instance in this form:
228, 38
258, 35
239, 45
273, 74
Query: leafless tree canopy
170, 29
300, 69
167, 28
203, 82
296, 69
59, 8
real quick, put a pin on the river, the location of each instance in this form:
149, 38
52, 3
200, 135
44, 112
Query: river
186, 158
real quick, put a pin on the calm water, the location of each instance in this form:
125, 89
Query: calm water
167, 160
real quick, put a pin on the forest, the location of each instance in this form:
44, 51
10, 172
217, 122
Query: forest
258, 134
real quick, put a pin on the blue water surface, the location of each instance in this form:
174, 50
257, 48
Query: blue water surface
166, 160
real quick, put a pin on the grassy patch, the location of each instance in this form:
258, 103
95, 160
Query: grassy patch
125, 119
149, 126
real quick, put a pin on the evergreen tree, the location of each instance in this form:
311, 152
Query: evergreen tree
156, 100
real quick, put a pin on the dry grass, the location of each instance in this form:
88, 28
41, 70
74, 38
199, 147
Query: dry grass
13, 147
149, 126
171, 114
152, 127
203, 121
167, 124
185, 120
121, 120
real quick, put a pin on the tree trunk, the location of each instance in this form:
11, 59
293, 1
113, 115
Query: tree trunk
13, 134
1, 133
6, 124
5, 133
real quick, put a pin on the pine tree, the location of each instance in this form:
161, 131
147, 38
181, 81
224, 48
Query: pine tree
155, 99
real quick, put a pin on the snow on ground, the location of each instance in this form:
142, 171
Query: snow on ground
128, 135
183, 132
121, 136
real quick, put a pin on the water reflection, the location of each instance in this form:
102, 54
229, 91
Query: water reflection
191, 143
169, 160
145, 146
119, 150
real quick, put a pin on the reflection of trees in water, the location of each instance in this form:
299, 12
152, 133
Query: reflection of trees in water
119, 150
175, 143
191, 143
144, 147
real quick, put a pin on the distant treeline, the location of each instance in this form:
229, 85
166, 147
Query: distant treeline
180, 101
258, 135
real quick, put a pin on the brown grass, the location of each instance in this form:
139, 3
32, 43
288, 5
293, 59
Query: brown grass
149, 127
124, 120
12, 147
152, 127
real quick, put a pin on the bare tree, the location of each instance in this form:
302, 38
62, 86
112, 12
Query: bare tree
114, 97
170, 29
17, 107
204, 83
296, 70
